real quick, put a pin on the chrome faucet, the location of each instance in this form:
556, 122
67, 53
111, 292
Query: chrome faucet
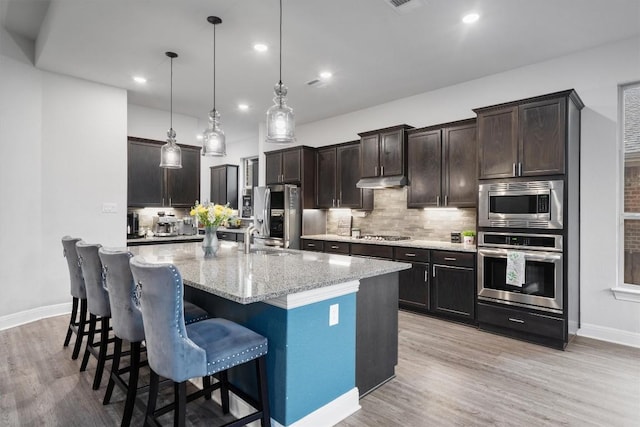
248, 233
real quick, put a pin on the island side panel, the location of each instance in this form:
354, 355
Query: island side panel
309, 363
377, 331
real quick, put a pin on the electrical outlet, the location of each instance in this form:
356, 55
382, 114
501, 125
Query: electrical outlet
109, 208
334, 314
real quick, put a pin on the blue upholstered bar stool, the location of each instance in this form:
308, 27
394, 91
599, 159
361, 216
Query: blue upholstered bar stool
99, 308
180, 352
127, 325
78, 294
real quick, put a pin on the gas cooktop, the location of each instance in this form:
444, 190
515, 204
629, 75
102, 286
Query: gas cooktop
383, 237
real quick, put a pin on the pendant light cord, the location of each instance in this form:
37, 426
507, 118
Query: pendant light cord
280, 82
171, 97
214, 67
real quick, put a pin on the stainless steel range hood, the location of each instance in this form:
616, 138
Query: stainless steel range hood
383, 182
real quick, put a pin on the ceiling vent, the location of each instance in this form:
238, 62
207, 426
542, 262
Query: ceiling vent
404, 6
316, 83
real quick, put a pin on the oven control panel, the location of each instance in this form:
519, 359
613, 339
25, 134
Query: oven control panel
520, 240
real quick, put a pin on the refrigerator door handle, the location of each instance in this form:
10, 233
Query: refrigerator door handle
266, 231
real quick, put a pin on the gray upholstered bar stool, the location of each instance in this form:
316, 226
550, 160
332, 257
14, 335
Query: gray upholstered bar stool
181, 352
127, 325
78, 294
99, 308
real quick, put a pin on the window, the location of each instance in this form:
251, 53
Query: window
630, 127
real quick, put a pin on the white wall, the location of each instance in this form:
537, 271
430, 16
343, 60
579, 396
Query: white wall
64, 151
595, 74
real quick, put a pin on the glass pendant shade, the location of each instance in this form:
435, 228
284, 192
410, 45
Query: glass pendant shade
281, 121
170, 153
213, 139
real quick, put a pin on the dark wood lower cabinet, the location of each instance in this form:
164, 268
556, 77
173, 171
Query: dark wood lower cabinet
413, 288
453, 292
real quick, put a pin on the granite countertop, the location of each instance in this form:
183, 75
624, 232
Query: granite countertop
411, 243
265, 273
164, 239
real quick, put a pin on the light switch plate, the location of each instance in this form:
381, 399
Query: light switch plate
334, 314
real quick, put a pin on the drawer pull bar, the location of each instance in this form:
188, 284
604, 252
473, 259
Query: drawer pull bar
334, 247
511, 319
447, 258
311, 245
410, 254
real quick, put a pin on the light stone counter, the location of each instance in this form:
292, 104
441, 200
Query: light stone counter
265, 273
411, 243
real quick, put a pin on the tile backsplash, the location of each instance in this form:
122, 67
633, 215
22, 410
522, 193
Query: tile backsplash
391, 216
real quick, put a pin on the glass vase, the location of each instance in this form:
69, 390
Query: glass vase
210, 243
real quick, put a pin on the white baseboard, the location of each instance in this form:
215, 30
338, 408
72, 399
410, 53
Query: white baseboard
28, 316
328, 415
616, 336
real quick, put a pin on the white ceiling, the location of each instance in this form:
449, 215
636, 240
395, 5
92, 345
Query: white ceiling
375, 53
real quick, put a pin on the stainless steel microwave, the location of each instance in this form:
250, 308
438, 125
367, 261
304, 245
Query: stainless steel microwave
523, 204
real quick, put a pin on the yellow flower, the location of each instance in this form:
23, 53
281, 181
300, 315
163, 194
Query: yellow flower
212, 214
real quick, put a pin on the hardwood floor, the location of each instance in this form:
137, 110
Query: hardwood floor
448, 374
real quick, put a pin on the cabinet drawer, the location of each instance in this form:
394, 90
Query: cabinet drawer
337, 247
523, 321
460, 259
378, 251
223, 235
313, 245
411, 254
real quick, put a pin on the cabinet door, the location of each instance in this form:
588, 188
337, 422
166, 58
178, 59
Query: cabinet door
424, 153
273, 169
184, 184
542, 137
369, 156
291, 161
218, 185
326, 180
144, 176
392, 153
459, 162
414, 287
453, 291
498, 142
348, 174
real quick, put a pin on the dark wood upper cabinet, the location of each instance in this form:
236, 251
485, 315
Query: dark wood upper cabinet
296, 165
224, 185
526, 137
149, 185
382, 152
442, 165
338, 171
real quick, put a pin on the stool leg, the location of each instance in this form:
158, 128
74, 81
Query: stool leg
132, 388
206, 383
92, 332
264, 392
81, 325
102, 352
154, 381
224, 392
72, 321
179, 413
115, 366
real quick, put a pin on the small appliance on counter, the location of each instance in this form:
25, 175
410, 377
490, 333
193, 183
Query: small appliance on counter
187, 227
165, 225
133, 225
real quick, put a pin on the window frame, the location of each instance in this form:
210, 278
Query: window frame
623, 291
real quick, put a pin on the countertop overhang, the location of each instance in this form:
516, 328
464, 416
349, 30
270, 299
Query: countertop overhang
264, 274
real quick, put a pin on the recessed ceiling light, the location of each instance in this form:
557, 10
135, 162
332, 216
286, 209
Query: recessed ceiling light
325, 75
243, 107
260, 47
139, 79
199, 137
470, 18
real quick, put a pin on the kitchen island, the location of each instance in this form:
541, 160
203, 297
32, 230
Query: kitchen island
331, 321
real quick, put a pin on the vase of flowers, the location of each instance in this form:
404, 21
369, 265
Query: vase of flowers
211, 216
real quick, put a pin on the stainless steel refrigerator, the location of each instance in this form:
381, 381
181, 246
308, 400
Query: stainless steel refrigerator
277, 215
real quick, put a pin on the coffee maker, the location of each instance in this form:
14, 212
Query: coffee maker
133, 225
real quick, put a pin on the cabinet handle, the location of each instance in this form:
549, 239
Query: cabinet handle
426, 276
375, 170
434, 271
520, 169
409, 254
511, 319
169, 201
446, 200
333, 203
311, 245
381, 170
447, 258
437, 200
334, 247
514, 171
338, 203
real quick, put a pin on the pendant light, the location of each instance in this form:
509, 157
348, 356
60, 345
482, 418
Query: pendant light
170, 153
213, 139
280, 118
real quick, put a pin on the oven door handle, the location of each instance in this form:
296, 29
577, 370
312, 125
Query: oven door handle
528, 254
